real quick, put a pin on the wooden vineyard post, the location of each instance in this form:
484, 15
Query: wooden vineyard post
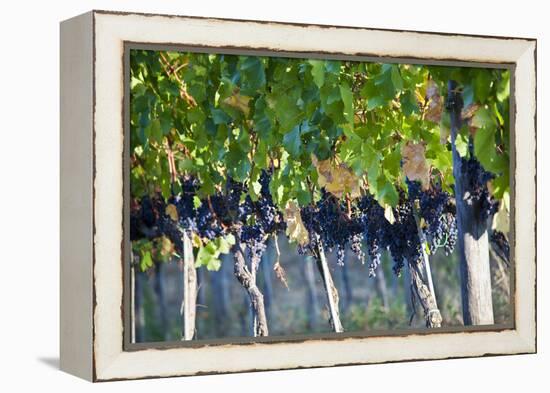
473, 239
330, 289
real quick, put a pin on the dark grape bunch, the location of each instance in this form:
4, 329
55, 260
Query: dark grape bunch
268, 216
310, 219
501, 245
451, 230
476, 186
215, 216
439, 212
337, 224
404, 243
267, 220
375, 230
208, 221
356, 245
185, 203
145, 217
330, 222
174, 232
254, 238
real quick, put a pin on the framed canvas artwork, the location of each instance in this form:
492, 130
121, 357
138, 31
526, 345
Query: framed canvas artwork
246, 195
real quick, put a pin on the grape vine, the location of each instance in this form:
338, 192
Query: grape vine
335, 154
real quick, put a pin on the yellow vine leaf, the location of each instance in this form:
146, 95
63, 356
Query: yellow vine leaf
166, 246
295, 229
172, 211
501, 219
414, 163
420, 97
196, 240
337, 179
420, 92
238, 102
434, 101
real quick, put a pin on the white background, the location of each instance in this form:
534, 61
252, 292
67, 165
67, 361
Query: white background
29, 196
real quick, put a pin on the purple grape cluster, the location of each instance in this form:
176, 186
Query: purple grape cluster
451, 229
439, 212
337, 224
214, 216
146, 217
254, 238
404, 245
185, 204
330, 221
376, 230
476, 185
310, 219
501, 245
267, 219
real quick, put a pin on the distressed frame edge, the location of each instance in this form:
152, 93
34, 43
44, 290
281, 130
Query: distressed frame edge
525, 86
529, 339
305, 24
76, 207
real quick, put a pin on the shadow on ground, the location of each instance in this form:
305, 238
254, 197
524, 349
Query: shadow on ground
52, 362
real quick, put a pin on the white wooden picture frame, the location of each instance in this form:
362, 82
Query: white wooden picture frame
92, 202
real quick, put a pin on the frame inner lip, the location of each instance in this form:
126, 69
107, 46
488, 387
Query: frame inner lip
269, 52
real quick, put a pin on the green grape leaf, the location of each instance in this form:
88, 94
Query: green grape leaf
292, 141
287, 111
146, 261
482, 85
225, 243
347, 98
156, 131
392, 162
500, 185
483, 118
485, 151
396, 78
318, 72
409, 104
262, 123
387, 193
219, 116
253, 75
461, 144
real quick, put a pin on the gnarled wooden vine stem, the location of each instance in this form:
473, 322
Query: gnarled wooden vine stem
423, 287
424, 295
247, 279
